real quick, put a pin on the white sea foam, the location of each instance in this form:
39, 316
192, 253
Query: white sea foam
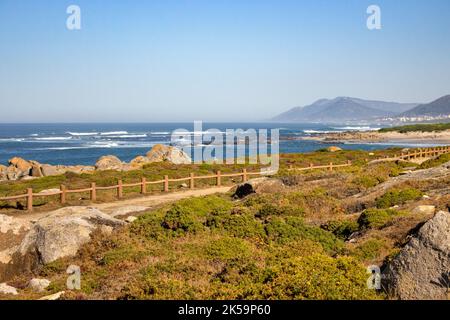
112, 133
320, 131
53, 138
12, 139
129, 136
82, 133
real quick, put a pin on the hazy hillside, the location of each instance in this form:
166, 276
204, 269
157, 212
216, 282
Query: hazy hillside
438, 107
343, 109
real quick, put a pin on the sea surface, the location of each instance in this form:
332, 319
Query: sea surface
84, 143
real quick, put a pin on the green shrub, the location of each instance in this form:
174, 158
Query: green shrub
228, 249
180, 220
377, 218
397, 197
319, 277
341, 228
237, 225
293, 228
369, 250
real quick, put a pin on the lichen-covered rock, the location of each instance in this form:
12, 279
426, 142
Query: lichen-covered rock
422, 269
109, 163
3, 173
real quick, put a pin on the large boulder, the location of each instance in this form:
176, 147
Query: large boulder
21, 164
62, 232
171, 154
48, 170
36, 169
258, 185
108, 163
14, 173
421, 271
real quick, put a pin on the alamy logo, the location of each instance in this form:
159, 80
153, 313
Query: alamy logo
73, 21
374, 280
374, 20
74, 280
230, 146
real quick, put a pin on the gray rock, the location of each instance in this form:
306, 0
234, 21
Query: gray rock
5, 289
130, 219
422, 269
62, 232
38, 285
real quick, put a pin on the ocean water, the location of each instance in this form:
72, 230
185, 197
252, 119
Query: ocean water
84, 143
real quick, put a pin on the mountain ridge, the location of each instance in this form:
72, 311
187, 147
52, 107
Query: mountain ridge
344, 109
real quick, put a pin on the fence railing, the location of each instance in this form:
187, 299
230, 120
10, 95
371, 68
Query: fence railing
417, 153
92, 190
244, 175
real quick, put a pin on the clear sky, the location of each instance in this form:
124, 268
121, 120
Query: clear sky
214, 60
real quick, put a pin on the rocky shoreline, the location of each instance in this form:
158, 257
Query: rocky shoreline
442, 137
21, 169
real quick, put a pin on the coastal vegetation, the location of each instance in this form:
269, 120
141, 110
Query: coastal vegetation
306, 241
418, 127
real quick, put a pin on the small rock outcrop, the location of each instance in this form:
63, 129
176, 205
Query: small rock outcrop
258, 185
424, 209
109, 163
334, 149
38, 285
6, 289
422, 269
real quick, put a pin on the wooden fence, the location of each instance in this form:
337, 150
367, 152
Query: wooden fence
244, 175
417, 153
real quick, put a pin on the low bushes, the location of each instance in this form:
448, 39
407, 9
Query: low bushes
398, 197
377, 218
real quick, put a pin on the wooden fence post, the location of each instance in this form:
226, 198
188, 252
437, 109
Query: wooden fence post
166, 183
30, 199
62, 188
244, 175
331, 166
119, 189
311, 165
143, 185
93, 192
191, 181
349, 162
219, 179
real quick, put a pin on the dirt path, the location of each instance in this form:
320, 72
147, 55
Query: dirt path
130, 206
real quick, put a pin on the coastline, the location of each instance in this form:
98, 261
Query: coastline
441, 137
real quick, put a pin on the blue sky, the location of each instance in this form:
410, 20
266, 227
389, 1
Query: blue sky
214, 60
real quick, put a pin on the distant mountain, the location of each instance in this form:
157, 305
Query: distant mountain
343, 109
438, 107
